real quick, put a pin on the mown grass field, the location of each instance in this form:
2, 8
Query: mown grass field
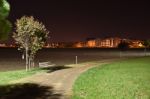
9, 76
128, 79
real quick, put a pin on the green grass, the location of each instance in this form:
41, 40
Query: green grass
128, 79
9, 76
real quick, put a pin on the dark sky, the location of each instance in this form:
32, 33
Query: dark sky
75, 20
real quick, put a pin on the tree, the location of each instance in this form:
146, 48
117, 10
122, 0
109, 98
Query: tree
5, 25
146, 44
30, 35
123, 45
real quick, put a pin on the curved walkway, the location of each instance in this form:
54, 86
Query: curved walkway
62, 80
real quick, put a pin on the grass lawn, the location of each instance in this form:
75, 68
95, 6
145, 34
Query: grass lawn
7, 77
128, 79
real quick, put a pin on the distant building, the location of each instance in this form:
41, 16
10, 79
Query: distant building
80, 45
136, 44
104, 43
91, 43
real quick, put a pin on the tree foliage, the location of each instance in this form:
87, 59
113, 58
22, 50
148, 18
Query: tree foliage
5, 25
30, 35
123, 45
146, 43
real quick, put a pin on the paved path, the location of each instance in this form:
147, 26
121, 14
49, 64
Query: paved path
62, 80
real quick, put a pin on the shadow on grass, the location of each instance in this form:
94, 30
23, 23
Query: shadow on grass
27, 91
55, 68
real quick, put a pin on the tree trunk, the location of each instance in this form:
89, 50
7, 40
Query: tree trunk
27, 57
29, 62
32, 61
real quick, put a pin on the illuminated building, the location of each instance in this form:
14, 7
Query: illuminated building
104, 43
91, 43
136, 44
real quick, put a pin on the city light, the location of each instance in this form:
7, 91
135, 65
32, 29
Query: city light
91, 43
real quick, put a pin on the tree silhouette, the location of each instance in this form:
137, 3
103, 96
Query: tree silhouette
123, 45
146, 44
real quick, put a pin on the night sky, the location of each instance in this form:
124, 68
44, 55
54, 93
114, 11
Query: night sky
76, 20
